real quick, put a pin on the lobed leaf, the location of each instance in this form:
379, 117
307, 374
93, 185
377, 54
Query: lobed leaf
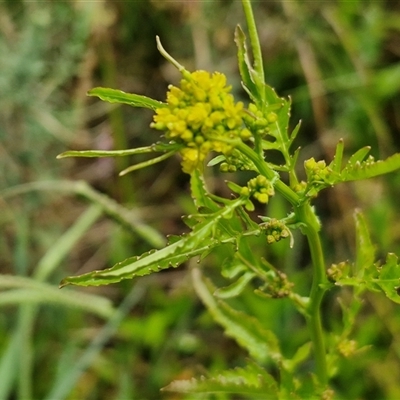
120, 97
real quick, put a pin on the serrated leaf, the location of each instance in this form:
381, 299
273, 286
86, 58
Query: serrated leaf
201, 239
120, 97
389, 278
236, 288
370, 168
261, 343
252, 380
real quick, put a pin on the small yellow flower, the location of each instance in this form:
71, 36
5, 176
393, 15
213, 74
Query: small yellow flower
199, 112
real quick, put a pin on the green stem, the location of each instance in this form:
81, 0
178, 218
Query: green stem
309, 220
311, 225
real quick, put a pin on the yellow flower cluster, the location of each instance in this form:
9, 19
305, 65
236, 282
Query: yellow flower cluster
199, 112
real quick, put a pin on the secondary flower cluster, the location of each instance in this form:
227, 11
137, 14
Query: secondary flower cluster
317, 171
275, 230
198, 113
258, 122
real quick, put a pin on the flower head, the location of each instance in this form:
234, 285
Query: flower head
202, 115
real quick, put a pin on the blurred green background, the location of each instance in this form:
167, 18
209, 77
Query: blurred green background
340, 63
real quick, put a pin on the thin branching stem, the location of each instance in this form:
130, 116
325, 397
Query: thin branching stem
310, 223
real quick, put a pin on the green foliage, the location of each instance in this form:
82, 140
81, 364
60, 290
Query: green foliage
260, 241
198, 119
120, 97
249, 381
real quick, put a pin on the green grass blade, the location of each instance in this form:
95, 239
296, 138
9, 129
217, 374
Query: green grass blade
9, 366
63, 387
32, 291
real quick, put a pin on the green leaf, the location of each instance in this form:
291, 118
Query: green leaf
120, 97
234, 187
236, 287
147, 163
302, 354
273, 101
252, 380
336, 164
244, 63
106, 153
199, 192
157, 147
203, 237
216, 160
365, 250
232, 268
261, 343
389, 278
370, 168
359, 155
295, 131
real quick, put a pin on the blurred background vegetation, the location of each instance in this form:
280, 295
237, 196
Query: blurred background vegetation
340, 63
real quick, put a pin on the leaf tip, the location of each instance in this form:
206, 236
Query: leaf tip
63, 283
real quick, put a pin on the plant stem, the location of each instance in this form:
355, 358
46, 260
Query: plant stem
307, 216
309, 220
